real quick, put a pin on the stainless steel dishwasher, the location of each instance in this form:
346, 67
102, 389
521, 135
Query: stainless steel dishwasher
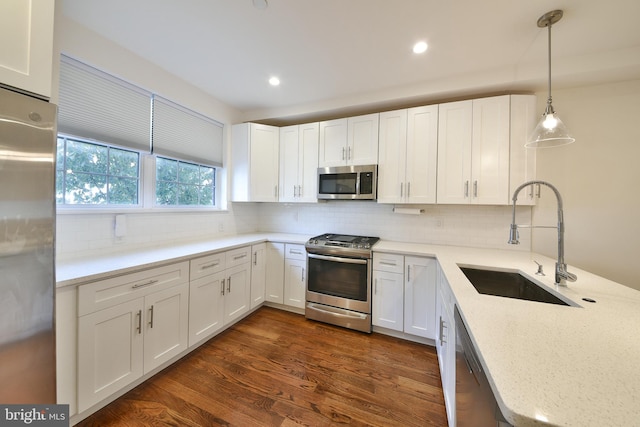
475, 404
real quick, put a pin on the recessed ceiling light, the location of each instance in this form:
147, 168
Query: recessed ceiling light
274, 81
260, 4
420, 47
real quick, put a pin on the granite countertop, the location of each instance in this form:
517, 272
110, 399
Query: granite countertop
549, 364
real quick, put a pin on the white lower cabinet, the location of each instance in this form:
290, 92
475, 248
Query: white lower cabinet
258, 273
446, 345
295, 282
220, 291
237, 296
404, 293
420, 296
128, 326
286, 266
388, 301
274, 288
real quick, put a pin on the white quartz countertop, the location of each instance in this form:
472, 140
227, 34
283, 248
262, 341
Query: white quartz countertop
82, 270
549, 364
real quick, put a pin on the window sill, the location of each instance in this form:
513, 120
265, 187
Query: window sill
60, 210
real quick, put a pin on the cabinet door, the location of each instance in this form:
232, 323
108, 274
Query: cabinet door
274, 291
362, 140
392, 157
237, 297
110, 348
308, 163
421, 155
206, 306
523, 160
333, 143
454, 152
264, 159
420, 296
295, 283
289, 158
258, 273
166, 325
387, 301
26, 57
490, 151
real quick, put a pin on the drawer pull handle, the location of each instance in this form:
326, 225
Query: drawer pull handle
142, 285
295, 252
239, 256
213, 264
390, 263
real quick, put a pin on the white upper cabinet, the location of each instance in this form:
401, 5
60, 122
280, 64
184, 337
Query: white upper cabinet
407, 166
350, 141
473, 151
454, 151
299, 163
255, 158
523, 160
26, 45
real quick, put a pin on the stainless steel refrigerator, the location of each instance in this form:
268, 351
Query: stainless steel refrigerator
27, 237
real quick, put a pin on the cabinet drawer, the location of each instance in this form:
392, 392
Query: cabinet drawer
238, 256
391, 263
292, 251
116, 290
207, 265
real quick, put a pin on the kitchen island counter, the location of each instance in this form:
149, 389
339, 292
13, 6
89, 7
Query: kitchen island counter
548, 364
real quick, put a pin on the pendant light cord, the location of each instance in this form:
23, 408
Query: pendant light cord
549, 106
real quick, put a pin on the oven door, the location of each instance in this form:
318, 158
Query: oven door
339, 282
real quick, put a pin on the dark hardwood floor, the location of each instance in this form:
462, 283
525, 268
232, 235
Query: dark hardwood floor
276, 368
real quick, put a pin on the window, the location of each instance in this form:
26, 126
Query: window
89, 173
110, 130
181, 183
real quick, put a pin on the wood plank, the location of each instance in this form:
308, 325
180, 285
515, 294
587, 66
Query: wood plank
275, 368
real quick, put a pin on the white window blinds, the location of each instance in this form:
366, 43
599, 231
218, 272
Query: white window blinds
95, 105
184, 134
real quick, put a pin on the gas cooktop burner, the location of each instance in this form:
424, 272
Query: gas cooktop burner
341, 244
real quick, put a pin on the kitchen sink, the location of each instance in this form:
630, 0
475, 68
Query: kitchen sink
509, 285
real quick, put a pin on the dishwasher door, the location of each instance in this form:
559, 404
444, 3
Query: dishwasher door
475, 404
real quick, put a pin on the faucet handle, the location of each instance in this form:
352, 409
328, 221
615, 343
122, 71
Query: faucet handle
540, 272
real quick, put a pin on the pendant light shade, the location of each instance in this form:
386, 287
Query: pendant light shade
550, 131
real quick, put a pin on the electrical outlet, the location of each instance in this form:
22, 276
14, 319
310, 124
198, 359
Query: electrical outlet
221, 227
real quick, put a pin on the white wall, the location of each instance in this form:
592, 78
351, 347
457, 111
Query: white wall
598, 178
91, 234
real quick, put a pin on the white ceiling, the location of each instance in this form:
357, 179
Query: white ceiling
331, 54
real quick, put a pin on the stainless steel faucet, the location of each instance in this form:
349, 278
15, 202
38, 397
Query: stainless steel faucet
562, 275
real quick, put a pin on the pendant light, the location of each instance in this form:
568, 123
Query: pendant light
550, 131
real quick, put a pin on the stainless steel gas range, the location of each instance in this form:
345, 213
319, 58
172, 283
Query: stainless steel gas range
339, 269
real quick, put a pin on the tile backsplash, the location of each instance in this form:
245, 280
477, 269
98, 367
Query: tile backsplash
87, 235
476, 226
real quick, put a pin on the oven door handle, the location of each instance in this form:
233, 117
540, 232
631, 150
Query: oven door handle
338, 259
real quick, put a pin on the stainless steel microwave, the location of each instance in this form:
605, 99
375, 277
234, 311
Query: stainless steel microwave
348, 182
